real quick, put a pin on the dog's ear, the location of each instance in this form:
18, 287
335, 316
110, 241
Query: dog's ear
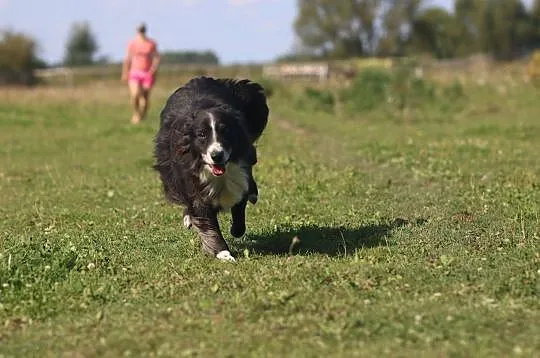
253, 99
242, 141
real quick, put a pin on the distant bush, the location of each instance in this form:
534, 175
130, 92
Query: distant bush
454, 91
404, 90
369, 90
316, 100
189, 57
533, 69
18, 59
409, 90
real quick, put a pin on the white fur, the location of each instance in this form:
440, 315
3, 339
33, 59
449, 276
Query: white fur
187, 221
228, 189
215, 146
225, 256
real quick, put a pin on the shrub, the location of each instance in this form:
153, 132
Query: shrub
454, 91
17, 59
409, 89
450, 99
402, 91
368, 91
533, 69
316, 100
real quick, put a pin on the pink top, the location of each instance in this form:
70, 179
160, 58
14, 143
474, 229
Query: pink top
141, 53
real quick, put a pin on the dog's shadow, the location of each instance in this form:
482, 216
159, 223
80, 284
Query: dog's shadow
332, 241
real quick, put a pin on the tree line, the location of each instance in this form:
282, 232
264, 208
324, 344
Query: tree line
330, 29
505, 29
19, 56
82, 46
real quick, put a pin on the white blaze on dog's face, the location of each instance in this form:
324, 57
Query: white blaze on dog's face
214, 136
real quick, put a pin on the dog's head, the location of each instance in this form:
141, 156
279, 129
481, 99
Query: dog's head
217, 138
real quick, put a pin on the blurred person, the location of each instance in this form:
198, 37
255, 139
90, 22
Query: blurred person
139, 70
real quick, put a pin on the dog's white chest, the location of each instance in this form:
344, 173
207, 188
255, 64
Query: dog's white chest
228, 189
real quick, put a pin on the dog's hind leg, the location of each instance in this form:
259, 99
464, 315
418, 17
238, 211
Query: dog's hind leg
238, 212
213, 243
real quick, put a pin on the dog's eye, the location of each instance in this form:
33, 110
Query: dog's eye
201, 134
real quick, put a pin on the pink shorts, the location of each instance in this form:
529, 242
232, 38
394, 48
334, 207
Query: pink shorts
143, 78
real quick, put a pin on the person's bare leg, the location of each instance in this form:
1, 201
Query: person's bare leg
135, 93
143, 102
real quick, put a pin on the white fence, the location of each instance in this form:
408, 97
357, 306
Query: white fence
318, 71
70, 76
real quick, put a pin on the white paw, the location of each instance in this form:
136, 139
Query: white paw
225, 256
187, 221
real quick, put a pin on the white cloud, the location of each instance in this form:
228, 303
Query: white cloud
269, 26
126, 3
191, 2
246, 2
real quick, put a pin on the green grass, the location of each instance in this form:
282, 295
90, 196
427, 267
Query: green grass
417, 239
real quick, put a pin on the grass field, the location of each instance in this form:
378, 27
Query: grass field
417, 238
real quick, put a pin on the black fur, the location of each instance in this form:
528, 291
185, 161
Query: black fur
239, 111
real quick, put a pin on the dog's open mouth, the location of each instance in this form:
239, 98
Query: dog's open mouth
217, 170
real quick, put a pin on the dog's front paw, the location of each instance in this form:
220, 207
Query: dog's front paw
253, 198
238, 230
187, 221
225, 255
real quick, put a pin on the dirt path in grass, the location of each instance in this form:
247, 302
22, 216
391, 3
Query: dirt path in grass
290, 126
330, 149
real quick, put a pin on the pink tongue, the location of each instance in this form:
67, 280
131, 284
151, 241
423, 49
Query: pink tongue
218, 170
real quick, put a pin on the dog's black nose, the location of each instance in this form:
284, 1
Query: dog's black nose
217, 156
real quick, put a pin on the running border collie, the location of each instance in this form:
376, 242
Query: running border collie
205, 152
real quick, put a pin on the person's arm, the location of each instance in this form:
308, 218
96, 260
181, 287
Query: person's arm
155, 61
126, 64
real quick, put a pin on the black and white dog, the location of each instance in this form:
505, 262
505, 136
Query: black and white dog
205, 153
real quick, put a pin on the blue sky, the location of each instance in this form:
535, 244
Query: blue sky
238, 30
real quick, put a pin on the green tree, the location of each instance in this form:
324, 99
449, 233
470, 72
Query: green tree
503, 28
81, 45
535, 10
535, 24
332, 28
470, 16
355, 27
397, 18
18, 58
507, 28
435, 31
